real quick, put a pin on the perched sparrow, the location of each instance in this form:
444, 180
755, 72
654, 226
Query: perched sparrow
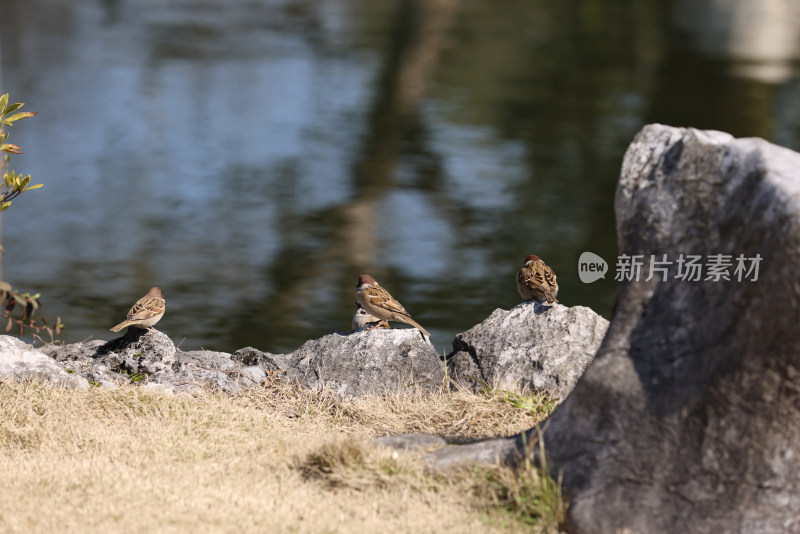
536, 281
362, 319
146, 312
377, 302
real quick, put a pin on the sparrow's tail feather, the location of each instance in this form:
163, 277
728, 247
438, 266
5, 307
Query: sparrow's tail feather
120, 326
415, 324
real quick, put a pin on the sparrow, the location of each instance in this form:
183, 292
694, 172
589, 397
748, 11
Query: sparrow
362, 319
537, 281
146, 312
377, 302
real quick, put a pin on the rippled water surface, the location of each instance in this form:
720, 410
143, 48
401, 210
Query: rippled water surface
253, 158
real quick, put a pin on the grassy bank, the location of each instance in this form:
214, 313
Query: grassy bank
273, 459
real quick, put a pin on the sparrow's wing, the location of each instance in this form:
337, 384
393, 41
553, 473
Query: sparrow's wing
381, 298
550, 277
146, 308
531, 276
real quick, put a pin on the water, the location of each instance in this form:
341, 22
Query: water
253, 158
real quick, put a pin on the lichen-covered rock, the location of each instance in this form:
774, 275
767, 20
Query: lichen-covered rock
532, 347
139, 351
377, 361
151, 359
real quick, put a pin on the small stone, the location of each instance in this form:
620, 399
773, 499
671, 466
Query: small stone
411, 442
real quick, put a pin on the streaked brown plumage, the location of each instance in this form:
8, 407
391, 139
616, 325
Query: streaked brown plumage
377, 302
536, 281
147, 311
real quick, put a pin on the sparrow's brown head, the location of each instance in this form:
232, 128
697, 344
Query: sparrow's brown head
155, 292
531, 257
366, 279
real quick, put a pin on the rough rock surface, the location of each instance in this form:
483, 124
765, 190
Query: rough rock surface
374, 361
688, 418
153, 360
378, 361
530, 347
20, 362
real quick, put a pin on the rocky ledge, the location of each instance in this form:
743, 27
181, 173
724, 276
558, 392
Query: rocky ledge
531, 347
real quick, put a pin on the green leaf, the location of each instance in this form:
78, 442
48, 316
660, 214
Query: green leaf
25, 181
14, 107
31, 188
9, 178
11, 149
3, 103
5, 205
17, 116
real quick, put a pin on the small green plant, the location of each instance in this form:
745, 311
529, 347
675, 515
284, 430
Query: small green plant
133, 376
540, 404
528, 492
137, 377
14, 185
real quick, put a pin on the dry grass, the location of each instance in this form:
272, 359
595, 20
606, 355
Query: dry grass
272, 459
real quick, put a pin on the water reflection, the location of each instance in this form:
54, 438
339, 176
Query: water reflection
253, 160
727, 64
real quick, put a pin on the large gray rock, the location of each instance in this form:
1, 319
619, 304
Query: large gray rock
20, 362
689, 420
377, 361
530, 347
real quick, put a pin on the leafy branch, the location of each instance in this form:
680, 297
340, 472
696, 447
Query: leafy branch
29, 304
13, 186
